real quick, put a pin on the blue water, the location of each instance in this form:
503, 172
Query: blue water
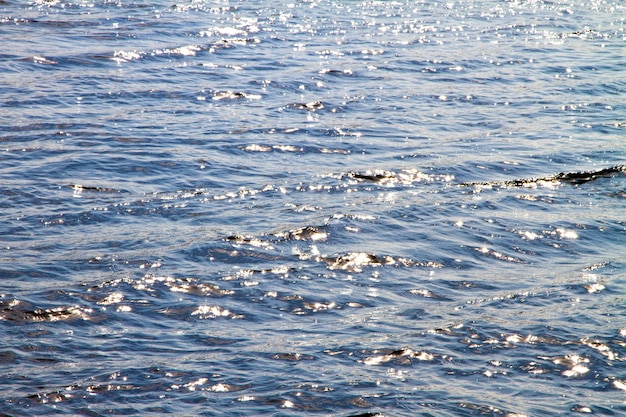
329, 208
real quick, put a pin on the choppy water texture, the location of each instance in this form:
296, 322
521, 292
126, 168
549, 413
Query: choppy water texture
312, 208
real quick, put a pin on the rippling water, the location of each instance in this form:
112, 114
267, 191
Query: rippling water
312, 208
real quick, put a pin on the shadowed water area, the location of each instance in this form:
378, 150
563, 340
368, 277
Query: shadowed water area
316, 208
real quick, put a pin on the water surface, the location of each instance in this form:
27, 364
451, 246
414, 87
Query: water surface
312, 208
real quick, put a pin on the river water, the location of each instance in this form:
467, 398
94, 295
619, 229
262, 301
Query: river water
333, 208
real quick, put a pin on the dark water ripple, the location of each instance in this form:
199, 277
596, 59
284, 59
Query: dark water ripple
315, 208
